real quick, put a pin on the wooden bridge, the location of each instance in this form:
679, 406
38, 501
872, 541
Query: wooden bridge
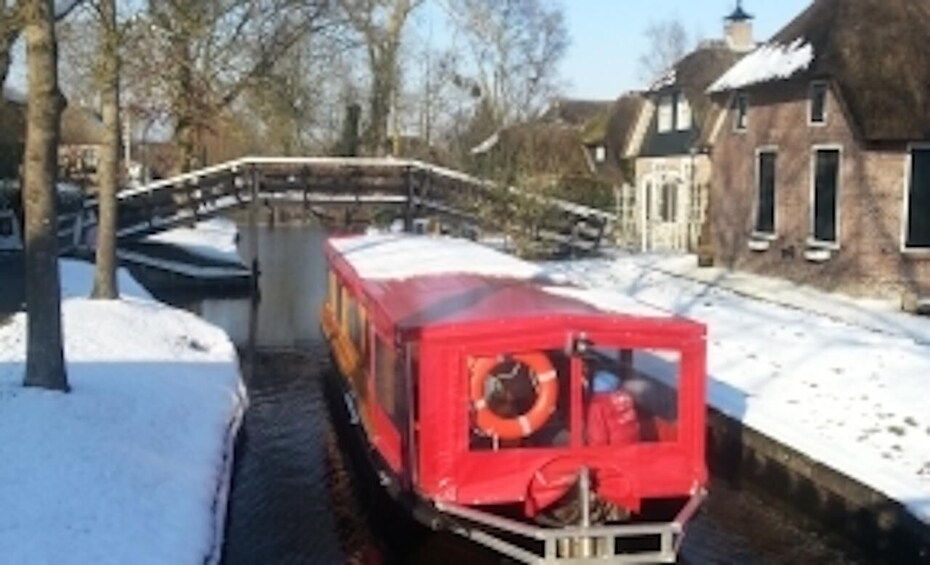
414, 188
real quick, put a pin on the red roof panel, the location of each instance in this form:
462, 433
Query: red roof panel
457, 299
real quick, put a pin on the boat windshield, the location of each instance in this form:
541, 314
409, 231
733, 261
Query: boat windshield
603, 396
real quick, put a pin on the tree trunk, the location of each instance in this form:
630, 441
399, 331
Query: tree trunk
44, 357
186, 144
383, 90
105, 285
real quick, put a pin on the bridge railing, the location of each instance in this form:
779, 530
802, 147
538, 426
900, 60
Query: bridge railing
320, 181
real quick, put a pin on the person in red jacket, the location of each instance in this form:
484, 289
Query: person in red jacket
611, 418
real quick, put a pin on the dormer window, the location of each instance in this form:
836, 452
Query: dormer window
818, 103
682, 114
741, 112
600, 154
666, 113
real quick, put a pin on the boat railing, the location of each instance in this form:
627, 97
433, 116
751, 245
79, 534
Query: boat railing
590, 544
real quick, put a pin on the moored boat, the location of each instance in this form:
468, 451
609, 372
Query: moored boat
521, 414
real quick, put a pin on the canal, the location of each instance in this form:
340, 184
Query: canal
296, 496
299, 495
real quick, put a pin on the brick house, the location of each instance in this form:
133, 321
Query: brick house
672, 173
821, 151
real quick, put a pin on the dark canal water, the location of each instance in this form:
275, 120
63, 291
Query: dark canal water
298, 498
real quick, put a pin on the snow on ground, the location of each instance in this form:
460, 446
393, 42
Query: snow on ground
133, 465
846, 395
767, 63
213, 239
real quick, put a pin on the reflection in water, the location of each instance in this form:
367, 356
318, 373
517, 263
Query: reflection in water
291, 289
292, 285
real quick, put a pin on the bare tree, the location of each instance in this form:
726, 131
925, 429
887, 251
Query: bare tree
45, 359
666, 43
108, 62
515, 48
12, 21
290, 107
380, 23
197, 58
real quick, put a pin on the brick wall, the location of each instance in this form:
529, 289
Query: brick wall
870, 199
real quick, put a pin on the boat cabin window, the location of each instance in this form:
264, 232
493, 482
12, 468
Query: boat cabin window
352, 321
389, 382
645, 380
603, 397
334, 292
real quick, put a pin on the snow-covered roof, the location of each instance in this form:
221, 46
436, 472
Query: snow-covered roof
768, 63
668, 78
402, 256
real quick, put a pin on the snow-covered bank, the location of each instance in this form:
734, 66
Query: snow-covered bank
133, 465
850, 394
211, 239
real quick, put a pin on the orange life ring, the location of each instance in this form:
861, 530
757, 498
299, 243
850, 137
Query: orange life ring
547, 395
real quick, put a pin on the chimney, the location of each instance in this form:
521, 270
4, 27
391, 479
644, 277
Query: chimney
737, 30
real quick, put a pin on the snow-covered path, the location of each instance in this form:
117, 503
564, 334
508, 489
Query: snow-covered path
132, 465
842, 393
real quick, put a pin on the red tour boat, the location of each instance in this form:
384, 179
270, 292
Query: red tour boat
515, 411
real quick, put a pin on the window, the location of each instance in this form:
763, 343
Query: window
335, 294
818, 103
389, 382
665, 113
6, 226
668, 208
600, 154
682, 114
512, 392
826, 181
918, 200
740, 112
765, 192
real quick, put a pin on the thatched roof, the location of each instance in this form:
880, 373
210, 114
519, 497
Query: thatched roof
695, 72
544, 149
874, 52
572, 112
614, 125
613, 129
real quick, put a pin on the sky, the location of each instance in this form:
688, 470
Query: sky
608, 36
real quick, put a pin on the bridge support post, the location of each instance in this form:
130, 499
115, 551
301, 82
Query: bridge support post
408, 205
253, 226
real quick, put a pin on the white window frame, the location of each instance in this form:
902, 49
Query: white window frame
906, 204
736, 113
810, 103
671, 114
756, 234
811, 240
682, 102
600, 153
